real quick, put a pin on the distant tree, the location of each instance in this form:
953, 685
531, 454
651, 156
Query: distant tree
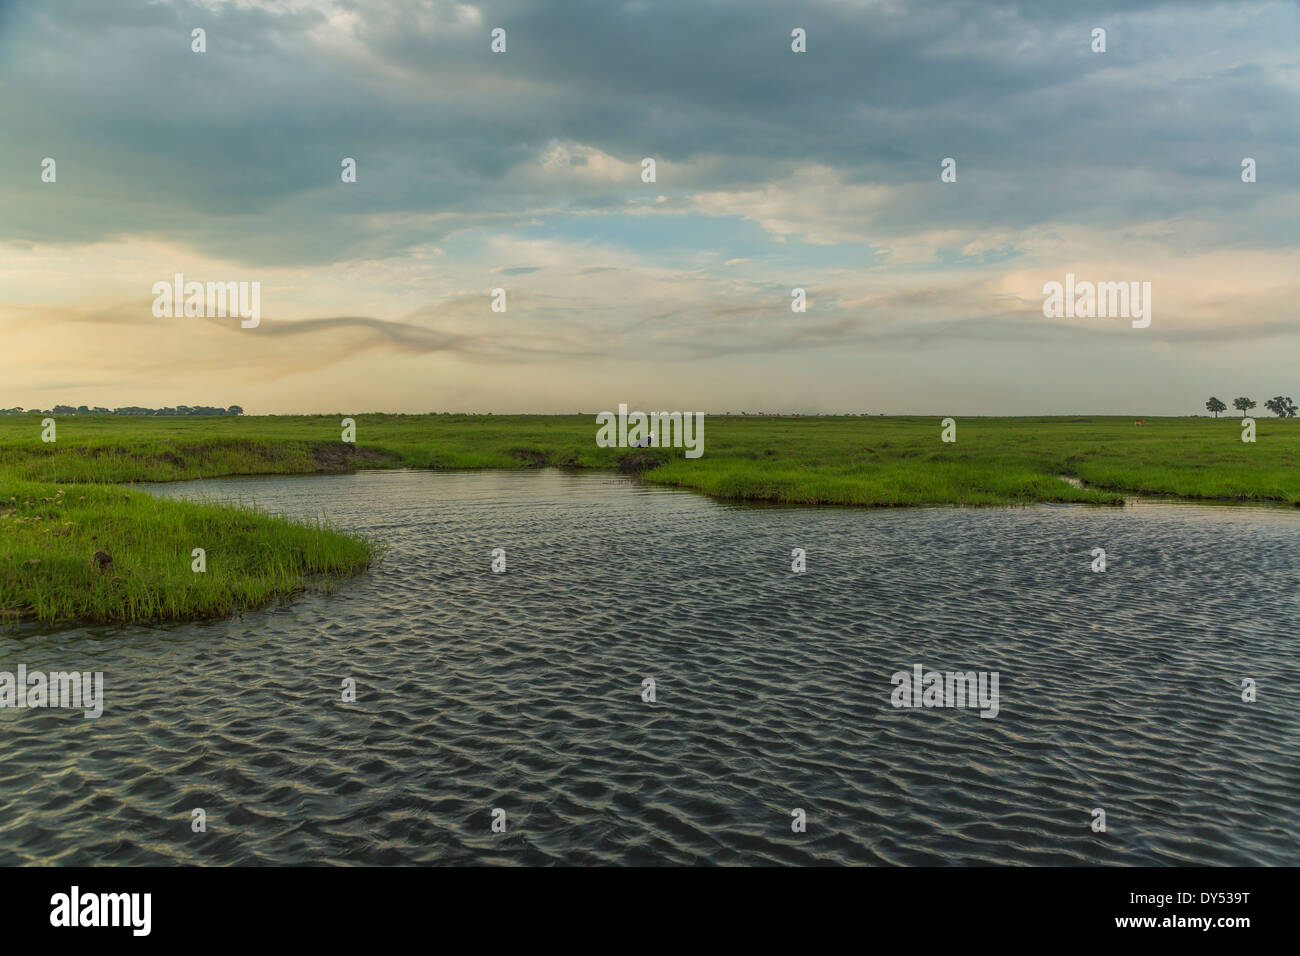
1281, 406
126, 409
1243, 405
1215, 406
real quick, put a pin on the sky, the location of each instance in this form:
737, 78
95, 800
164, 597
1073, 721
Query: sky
774, 170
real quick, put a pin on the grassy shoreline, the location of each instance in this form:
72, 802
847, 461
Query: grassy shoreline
105, 554
61, 502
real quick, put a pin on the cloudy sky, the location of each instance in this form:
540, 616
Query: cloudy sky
775, 170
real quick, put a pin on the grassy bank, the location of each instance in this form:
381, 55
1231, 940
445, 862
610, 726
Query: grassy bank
48, 537
861, 461
99, 553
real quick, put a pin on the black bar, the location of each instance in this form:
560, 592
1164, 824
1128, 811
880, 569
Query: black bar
329, 906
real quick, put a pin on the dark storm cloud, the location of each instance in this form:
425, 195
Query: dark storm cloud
237, 151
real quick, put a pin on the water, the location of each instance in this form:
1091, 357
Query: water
522, 690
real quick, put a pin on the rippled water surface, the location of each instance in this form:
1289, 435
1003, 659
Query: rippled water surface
522, 690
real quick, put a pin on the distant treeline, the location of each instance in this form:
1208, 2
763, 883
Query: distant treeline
1280, 405
125, 410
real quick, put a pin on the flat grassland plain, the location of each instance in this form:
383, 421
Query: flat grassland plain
61, 502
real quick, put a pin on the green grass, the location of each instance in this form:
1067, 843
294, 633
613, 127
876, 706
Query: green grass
50, 534
861, 461
253, 558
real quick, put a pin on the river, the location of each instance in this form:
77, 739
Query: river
523, 690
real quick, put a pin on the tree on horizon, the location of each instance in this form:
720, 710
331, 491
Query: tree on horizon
1215, 406
1243, 405
1281, 406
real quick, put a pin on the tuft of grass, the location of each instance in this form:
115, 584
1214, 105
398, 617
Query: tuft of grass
52, 533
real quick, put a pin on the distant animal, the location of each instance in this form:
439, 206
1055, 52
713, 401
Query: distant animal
1140, 421
643, 442
102, 560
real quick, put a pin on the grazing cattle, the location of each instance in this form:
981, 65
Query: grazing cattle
1140, 421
